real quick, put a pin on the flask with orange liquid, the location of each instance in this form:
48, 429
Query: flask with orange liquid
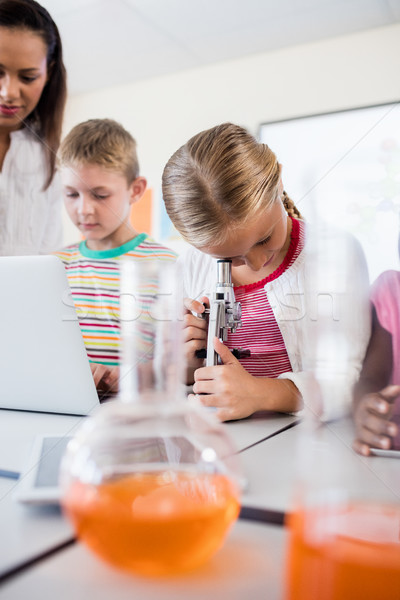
150, 482
344, 529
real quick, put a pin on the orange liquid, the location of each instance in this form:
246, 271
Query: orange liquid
155, 523
347, 554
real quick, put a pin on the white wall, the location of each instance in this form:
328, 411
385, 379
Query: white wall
349, 71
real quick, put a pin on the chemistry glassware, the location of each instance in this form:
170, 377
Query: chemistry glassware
341, 546
150, 482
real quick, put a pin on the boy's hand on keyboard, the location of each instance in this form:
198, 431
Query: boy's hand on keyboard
106, 379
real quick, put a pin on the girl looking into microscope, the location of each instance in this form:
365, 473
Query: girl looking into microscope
224, 193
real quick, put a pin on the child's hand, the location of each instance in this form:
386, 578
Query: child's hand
371, 418
194, 334
227, 386
106, 378
237, 394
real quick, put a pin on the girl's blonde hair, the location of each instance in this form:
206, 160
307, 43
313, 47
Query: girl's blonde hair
219, 178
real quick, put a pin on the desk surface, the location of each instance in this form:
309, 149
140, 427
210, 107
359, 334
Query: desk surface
249, 565
271, 467
19, 428
268, 446
29, 532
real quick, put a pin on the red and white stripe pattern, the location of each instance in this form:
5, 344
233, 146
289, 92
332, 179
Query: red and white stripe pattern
260, 331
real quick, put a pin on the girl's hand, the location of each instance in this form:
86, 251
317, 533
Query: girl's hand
194, 334
106, 378
371, 418
237, 394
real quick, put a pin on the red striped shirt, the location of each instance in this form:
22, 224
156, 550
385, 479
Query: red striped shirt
260, 331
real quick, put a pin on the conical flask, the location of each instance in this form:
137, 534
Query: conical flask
151, 482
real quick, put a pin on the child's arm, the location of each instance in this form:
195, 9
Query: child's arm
237, 394
373, 400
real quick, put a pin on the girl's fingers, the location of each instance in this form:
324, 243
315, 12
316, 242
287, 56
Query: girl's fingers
224, 352
196, 306
378, 426
225, 414
193, 333
375, 403
374, 439
390, 393
207, 373
204, 387
209, 400
382, 402
190, 320
361, 448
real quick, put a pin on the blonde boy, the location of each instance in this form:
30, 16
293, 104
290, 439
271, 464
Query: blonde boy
100, 177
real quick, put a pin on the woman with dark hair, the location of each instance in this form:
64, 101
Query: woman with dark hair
32, 100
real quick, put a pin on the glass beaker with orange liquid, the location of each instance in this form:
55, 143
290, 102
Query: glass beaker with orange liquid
344, 529
344, 552
150, 481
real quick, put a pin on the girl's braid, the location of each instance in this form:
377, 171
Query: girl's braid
290, 207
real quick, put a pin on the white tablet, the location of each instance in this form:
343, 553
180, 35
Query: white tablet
38, 483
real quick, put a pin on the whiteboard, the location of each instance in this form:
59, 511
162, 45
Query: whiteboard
345, 166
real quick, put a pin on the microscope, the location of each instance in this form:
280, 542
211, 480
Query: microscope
223, 314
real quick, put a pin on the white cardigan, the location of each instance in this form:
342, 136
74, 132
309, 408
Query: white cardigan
30, 218
305, 308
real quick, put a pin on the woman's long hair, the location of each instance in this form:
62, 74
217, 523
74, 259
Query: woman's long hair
46, 119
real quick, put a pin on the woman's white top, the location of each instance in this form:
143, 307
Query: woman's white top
30, 218
322, 312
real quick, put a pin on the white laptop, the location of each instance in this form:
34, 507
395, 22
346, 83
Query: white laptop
43, 361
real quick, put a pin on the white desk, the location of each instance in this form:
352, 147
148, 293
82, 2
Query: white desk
28, 532
251, 562
258, 428
271, 468
19, 428
249, 565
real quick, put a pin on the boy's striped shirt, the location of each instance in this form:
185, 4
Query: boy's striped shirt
94, 279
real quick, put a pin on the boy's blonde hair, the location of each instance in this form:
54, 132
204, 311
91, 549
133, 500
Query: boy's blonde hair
102, 142
220, 178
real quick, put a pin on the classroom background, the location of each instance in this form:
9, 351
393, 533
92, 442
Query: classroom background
167, 69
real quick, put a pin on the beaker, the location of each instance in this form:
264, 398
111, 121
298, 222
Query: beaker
344, 540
